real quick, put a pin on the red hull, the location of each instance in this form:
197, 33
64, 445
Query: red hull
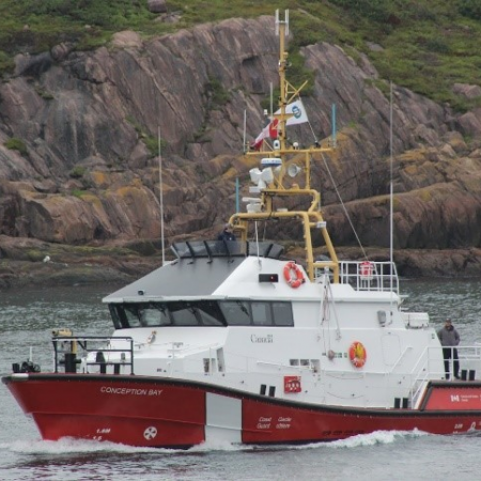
142, 411
120, 409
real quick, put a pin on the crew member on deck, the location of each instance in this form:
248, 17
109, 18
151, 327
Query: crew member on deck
449, 338
227, 234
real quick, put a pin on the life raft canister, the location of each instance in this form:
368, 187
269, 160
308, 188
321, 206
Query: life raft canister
293, 275
357, 354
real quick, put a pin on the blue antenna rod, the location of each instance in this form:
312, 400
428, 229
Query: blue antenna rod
333, 125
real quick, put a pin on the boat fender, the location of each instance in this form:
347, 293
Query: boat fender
357, 354
293, 275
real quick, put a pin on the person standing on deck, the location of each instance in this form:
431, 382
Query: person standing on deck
449, 338
227, 234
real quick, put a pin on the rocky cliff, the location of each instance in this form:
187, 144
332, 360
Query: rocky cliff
79, 144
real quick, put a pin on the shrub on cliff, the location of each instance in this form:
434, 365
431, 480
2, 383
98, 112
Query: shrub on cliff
114, 14
16, 144
470, 8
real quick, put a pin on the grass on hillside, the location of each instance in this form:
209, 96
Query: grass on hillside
427, 45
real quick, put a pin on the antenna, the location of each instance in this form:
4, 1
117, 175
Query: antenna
334, 126
285, 22
245, 131
391, 190
161, 199
257, 242
271, 97
391, 203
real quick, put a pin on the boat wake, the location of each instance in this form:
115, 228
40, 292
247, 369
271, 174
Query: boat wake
360, 440
377, 437
68, 446
74, 446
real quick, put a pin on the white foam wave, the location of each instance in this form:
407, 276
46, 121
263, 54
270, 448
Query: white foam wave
377, 437
74, 446
217, 445
67, 446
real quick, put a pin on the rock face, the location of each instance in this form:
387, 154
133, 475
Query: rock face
85, 167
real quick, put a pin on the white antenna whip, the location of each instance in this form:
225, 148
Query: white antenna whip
161, 198
285, 22
391, 192
391, 202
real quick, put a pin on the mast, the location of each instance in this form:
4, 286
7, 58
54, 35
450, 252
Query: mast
281, 163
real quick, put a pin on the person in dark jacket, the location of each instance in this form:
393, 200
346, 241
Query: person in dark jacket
450, 338
226, 234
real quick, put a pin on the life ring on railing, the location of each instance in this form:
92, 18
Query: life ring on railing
366, 270
357, 354
293, 275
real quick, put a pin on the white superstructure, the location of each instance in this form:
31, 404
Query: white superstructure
253, 330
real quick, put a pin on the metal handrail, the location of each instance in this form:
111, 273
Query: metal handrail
424, 374
370, 276
69, 345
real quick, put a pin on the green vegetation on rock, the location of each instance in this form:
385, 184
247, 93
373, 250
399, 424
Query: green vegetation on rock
216, 93
16, 144
152, 143
424, 45
78, 172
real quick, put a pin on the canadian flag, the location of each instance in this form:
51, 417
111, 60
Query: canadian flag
298, 116
269, 131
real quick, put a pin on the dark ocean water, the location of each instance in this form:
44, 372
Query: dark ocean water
27, 317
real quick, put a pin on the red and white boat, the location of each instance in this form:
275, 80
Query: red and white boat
232, 342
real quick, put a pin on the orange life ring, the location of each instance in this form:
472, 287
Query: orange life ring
357, 354
293, 275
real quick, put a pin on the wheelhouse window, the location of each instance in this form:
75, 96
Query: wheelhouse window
202, 313
209, 313
257, 313
282, 313
132, 315
183, 314
236, 313
154, 315
261, 313
114, 314
205, 313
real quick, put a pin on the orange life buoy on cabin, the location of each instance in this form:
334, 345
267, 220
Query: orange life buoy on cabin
357, 354
293, 275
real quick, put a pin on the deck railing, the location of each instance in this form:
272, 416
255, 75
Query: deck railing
78, 354
469, 368
369, 276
